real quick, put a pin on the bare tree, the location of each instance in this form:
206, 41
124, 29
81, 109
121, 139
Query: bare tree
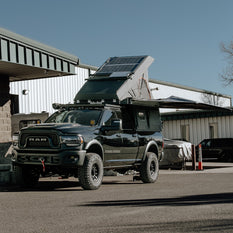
227, 74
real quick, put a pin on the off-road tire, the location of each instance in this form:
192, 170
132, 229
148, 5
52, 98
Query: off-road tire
27, 176
91, 173
149, 170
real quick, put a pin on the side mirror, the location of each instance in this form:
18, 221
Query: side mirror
116, 124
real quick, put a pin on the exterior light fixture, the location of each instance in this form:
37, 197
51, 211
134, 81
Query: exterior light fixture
25, 92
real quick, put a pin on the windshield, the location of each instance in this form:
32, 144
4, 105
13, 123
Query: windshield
80, 116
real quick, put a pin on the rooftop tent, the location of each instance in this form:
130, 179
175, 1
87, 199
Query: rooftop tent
117, 79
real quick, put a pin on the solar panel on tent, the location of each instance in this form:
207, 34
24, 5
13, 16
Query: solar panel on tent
119, 66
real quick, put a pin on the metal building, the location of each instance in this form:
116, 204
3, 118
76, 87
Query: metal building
194, 126
38, 95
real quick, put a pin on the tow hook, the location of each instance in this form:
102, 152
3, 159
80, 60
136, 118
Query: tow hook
43, 164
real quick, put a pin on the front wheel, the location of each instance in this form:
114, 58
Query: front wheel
150, 168
91, 173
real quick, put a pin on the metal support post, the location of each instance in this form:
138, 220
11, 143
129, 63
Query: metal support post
193, 158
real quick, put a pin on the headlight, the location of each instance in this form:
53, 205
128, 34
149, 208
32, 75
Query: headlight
72, 140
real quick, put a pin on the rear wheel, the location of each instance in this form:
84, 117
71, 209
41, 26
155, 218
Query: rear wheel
150, 168
91, 173
226, 157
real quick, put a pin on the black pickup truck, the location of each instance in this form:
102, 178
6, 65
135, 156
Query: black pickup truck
82, 140
113, 124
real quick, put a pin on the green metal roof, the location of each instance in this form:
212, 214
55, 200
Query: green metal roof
22, 58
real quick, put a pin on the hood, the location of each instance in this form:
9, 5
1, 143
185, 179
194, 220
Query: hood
62, 127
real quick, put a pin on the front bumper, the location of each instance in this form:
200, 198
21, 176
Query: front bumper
61, 158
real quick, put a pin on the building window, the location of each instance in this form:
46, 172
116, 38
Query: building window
213, 130
185, 132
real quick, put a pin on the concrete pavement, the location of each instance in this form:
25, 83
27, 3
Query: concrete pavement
208, 167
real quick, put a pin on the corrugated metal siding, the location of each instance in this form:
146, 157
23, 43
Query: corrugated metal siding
44, 92
199, 128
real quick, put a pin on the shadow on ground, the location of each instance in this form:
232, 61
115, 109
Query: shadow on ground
206, 199
43, 186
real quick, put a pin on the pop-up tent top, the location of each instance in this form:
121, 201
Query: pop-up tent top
118, 79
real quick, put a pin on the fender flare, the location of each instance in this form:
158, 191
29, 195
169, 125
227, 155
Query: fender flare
148, 146
95, 142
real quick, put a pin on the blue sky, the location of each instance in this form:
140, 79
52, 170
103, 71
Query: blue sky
183, 36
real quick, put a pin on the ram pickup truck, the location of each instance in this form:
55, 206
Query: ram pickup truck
112, 124
83, 140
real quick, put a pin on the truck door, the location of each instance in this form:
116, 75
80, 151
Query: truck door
129, 136
111, 139
119, 148
129, 147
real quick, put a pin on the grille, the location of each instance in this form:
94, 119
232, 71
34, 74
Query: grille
39, 140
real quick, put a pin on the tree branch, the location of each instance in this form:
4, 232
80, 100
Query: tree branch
227, 74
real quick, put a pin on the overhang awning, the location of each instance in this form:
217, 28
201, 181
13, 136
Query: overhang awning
177, 103
22, 58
